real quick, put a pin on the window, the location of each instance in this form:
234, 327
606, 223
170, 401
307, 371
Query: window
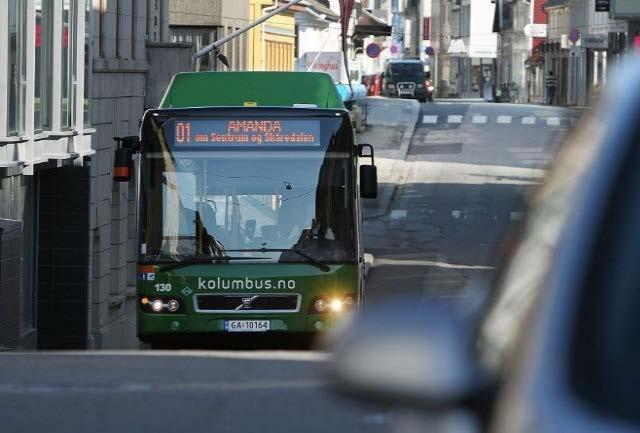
44, 47
87, 62
200, 38
67, 63
16, 66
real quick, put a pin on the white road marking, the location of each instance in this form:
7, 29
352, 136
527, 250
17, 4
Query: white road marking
539, 162
529, 120
454, 118
504, 119
455, 214
516, 216
553, 121
396, 214
133, 387
479, 119
401, 262
429, 119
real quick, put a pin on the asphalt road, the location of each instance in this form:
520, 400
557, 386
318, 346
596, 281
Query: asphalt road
462, 183
465, 181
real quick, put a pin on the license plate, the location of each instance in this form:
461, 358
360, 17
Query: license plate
247, 325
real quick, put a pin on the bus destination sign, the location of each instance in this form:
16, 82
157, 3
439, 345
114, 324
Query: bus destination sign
246, 132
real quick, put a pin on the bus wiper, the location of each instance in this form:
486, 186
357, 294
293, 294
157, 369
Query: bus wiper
314, 262
198, 260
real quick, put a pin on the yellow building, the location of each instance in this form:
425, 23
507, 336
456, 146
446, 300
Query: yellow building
272, 45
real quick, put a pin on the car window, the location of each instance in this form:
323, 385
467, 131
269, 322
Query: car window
606, 356
524, 274
406, 69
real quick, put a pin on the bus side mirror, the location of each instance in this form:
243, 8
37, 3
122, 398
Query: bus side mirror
368, 181
368, 174
125, 148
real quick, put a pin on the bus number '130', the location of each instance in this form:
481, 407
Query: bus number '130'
163, 287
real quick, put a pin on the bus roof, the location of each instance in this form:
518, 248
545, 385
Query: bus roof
241, 89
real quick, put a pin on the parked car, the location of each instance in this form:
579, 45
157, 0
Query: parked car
554, 345
406, 78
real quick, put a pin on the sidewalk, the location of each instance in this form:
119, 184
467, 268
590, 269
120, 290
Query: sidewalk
389, 127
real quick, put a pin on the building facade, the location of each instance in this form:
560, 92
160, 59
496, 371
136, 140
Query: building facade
45, 153
77, 75
202, 22
272, 45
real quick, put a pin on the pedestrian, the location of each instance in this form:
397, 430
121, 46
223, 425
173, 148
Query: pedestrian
552, 84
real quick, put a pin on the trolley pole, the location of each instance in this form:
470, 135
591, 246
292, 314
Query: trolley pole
217, 44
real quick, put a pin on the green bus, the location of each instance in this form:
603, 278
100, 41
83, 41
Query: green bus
249, 207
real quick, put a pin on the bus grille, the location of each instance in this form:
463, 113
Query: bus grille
249, 303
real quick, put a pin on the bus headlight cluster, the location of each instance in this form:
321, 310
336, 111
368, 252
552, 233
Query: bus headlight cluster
332, 304
159, 305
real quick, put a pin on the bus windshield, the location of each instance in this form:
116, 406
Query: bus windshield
249, 189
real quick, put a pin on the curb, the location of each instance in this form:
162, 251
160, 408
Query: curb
369, 260
397, 167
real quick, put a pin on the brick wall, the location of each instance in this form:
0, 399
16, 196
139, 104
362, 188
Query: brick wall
118, 104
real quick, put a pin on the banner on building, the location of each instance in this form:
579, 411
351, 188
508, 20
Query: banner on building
327, 62
457, 48
426, 28
595, 41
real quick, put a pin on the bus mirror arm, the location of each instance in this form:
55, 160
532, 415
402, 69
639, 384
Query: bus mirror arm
361, 153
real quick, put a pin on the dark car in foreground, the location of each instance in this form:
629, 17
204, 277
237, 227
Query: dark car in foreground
553, 346
406, 78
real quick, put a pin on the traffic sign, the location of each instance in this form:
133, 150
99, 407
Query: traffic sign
574, 35
394, 48
429, 51
373, 50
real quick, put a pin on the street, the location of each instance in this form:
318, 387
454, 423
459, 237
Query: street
464, 181
447, 196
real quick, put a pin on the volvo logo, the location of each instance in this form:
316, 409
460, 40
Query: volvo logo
246, 303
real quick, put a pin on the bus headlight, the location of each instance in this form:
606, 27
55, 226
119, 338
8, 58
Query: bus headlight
162, 304
320, 305
336, 305
173, 305
332, 304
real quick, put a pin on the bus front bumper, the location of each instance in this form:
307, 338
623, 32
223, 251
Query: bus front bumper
166, 324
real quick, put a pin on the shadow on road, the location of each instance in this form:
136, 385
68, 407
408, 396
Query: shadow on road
271, 341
